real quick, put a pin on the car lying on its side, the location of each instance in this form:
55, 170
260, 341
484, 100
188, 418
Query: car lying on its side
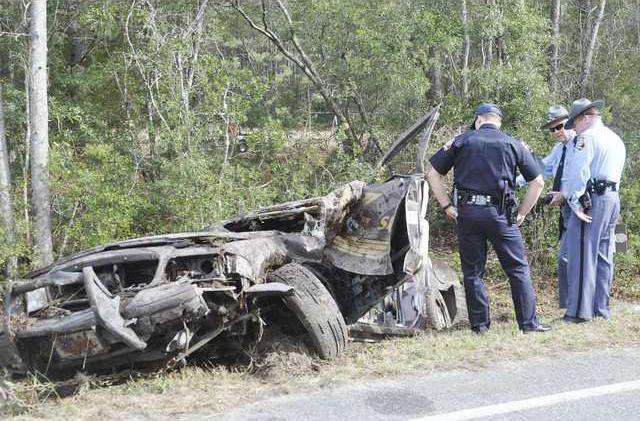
309, 267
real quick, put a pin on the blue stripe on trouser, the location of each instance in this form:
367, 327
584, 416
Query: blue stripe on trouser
590, 297
476, 225
581, 277
562, 260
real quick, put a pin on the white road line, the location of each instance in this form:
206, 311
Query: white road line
541, 401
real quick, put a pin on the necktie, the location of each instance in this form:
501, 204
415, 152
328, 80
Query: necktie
557, 183
557, 179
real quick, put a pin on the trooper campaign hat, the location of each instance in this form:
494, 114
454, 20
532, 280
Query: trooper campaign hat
555, 115
578, 107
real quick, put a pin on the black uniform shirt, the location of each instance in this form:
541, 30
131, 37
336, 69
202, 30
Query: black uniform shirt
482, 158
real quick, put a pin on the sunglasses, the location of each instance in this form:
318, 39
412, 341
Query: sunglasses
556, 128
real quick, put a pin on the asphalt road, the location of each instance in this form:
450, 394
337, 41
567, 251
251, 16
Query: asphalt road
599, 385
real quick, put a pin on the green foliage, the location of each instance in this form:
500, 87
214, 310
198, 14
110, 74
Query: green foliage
95, 197
150, 115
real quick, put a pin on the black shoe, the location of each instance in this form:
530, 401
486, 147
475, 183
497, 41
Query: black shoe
480, 330
571, 319
538, 328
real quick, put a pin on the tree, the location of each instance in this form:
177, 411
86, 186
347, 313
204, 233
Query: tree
435, 93
588, 61
465, 53
301, 59
555, 59
39, 120
6, 201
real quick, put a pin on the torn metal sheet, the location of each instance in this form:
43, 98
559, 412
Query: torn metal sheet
106, 308
427, 122
363, 245
36, 299
271, 288
250, 258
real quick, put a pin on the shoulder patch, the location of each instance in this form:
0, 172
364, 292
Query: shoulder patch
580, 142
448, 145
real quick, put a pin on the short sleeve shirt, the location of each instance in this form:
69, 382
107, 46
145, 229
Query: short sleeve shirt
483, 159
599, 154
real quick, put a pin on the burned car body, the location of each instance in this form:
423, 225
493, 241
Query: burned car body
309, 267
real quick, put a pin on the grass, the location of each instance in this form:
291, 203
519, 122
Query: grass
211, 389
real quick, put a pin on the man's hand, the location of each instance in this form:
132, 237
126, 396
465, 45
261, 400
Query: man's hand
520, 219
558, 199
452, 213
583, 216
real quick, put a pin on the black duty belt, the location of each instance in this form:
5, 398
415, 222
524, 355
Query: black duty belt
600, 187
477, 199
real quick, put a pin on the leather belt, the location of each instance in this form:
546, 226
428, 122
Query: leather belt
602, 186
481, 200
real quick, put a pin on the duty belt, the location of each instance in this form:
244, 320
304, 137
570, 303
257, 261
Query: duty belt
600, 187
477, 199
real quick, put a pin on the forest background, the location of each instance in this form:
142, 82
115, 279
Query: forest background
167, 116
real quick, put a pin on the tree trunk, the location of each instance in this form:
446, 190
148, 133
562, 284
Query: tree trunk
555, 59
435, 75
586, 70
26, 163
466, 50
6, 201
78, 44
39, 116
638, 19
490, 40
500, 54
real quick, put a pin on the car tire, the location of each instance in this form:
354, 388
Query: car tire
315, 308
445, 304
437, 314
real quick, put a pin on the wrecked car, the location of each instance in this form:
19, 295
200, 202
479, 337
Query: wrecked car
309, 267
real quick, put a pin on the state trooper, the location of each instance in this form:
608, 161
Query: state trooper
553, 167
484, 162
592, 180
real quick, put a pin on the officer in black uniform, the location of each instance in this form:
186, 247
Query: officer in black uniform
484, 162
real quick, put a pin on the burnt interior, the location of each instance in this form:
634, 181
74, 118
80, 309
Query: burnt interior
399, 240
289, 223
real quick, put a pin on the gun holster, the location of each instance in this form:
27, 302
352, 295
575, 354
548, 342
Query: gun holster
585, 199
512, 209
508, 203
502, 188
460, 195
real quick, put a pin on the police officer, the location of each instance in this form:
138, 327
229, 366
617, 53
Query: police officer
592, 180
553, 167
484, 162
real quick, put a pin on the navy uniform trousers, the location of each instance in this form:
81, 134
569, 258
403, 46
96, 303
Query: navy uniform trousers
476, 225
590, 249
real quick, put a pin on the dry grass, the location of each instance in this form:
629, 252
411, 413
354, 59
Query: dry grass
288, 369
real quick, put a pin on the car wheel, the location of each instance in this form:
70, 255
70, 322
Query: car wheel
445, 304
315, 308
437, 314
